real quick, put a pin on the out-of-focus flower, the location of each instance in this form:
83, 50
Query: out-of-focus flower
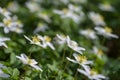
12, 24
35, 40
46, 41
88, 33
42, 41
31, 62
5, 12
61, 39
41, 27
106, 7
73, 45
81, 60
2, 74
69, 13
96, 18
13, 6
98, 52
33, 6
2, 41
75, 8
44, 16
92, 74
106, 32
2, 66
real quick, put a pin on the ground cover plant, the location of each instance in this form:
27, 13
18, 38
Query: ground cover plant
59, 40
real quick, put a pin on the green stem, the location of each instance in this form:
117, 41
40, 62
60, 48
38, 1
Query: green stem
63, 55
67, 61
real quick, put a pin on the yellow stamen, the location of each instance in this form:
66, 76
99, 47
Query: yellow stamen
47, 39
100, 52
108, 30
82, 59
65, 10
35, 39
7, 22
93, 72
29, 61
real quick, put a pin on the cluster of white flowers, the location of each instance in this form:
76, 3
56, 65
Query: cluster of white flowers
73, 12
42, 41
10, 23
87, 71
70, 43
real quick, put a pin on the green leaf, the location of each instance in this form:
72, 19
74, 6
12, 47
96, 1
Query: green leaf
27, 78
15, 73
12, 58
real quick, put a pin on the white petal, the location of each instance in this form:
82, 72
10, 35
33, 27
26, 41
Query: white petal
71, 60
36, 67
28, 38
83, 72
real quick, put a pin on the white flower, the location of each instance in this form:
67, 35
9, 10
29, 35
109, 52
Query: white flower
98, 52
73, 45
12, 24
31, 62
96, 18
91, 74
3, 75
106, 7
41, 41
106, 32
13, 6
33, 6
46, 41
74, 8
81, 60
41, 27
70, 13
61, 39
4, 12
2, 41
35, 40
44, 16
88, 33
2, 66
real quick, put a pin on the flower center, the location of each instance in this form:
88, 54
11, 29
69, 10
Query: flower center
47, 39
74, 44
93, 72
7, 22
65, 10
29, 61
108, 30
35, 39
100, 52
81, 59
40, 25
4, 11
